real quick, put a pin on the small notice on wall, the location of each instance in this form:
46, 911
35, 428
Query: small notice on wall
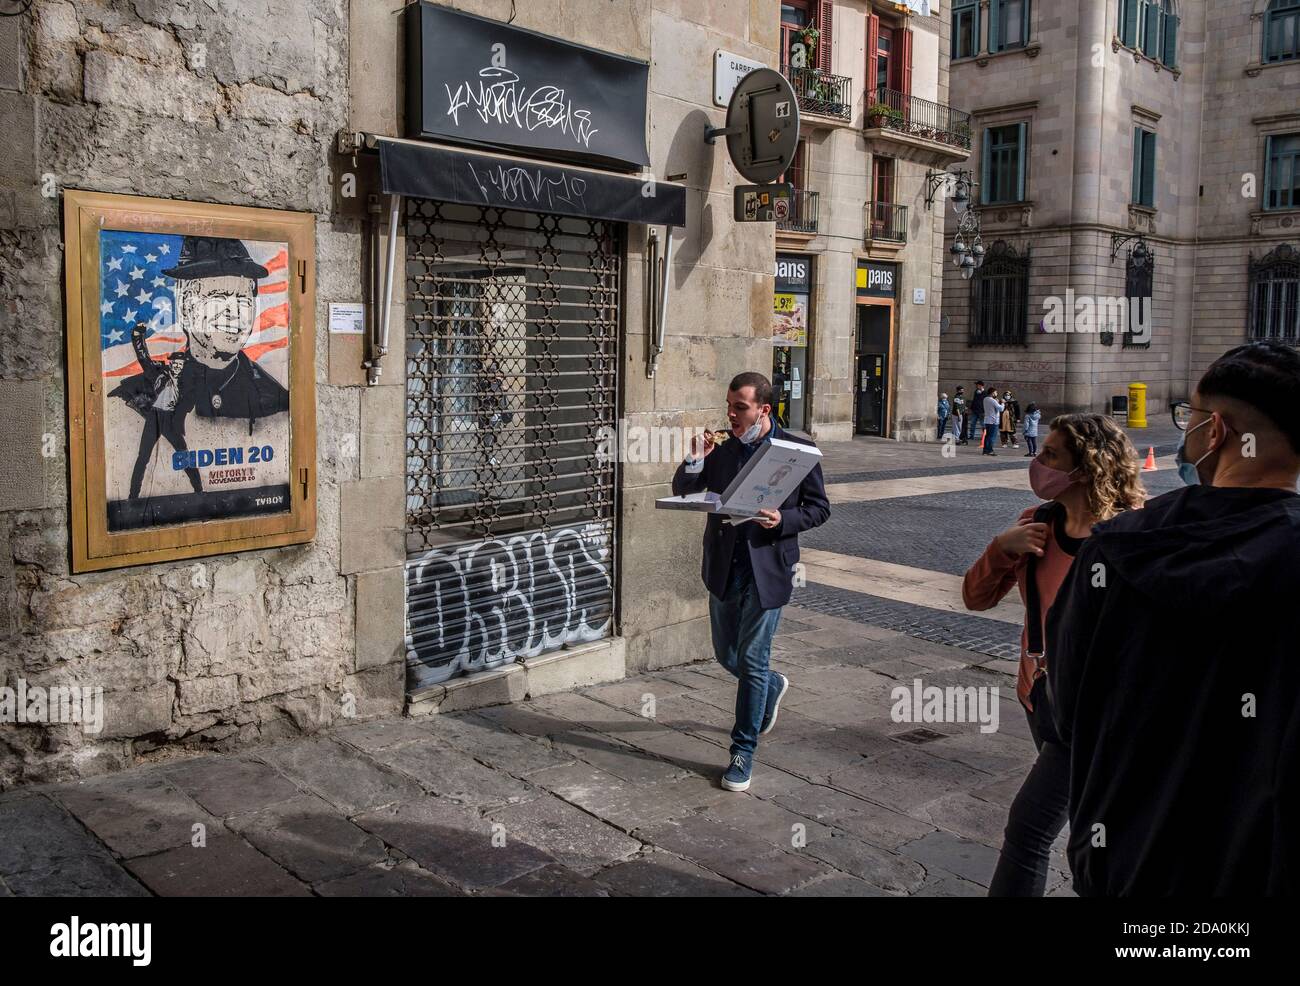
348, 317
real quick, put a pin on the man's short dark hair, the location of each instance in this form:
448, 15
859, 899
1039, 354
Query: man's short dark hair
762, 386
1265, 375
979, 383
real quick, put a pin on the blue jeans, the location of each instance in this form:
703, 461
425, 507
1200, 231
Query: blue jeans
990, 436
742, 641
943, 425
1032, 442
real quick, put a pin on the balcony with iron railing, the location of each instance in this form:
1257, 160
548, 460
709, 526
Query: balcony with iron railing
803, 213
884, 222
891, 111
821, 93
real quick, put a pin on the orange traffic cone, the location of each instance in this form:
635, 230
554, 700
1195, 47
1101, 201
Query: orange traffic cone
1150, 464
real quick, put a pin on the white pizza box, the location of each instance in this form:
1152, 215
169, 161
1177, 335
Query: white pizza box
765, 482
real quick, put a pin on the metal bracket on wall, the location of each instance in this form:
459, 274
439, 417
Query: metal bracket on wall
1117, 240
657, 271
378, 347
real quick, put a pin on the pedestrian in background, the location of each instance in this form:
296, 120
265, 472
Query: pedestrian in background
1010, 421
961, 415
977, 410
992, 414
1087, 472
1032, 417
943, 411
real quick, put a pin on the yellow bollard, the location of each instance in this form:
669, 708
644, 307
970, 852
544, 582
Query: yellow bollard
1137, 405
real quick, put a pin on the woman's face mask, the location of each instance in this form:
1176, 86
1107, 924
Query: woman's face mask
1048, 483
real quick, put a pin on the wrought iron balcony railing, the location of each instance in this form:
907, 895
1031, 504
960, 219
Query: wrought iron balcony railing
820, 92
893, 110
884, 221
803, 213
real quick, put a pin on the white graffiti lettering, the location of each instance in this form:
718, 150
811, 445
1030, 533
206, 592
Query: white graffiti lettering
488, 603
530, 186
498, 97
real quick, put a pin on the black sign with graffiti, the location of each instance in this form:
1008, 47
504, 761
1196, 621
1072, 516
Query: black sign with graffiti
476, 81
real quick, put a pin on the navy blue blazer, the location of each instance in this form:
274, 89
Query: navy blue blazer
774, 552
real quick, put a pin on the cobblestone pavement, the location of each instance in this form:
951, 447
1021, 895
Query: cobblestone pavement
612, 790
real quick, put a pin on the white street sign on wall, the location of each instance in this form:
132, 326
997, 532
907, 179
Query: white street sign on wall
728, 70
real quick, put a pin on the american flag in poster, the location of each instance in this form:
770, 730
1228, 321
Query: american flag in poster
133, 288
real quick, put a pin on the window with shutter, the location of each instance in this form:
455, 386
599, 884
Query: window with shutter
825, 23
1170, 54
1282, 171
1144, 167
1002, 168
965, 28
1282, 31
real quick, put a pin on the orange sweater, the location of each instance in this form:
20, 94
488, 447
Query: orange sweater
993, 575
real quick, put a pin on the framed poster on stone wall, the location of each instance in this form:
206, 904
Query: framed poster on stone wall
191, 396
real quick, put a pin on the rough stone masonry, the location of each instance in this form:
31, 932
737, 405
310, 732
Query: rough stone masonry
188, 99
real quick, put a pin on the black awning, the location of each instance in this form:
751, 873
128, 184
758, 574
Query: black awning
432, 171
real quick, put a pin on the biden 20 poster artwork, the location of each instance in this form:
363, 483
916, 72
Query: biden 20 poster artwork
194, 336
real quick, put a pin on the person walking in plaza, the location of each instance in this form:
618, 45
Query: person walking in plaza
1032, 417
992, 413
977, 410
1087, 472
942, 411
961, 415
748, 567
1010, 419
1173, 672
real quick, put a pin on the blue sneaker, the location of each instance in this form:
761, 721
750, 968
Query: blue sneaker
737, 776
774, 706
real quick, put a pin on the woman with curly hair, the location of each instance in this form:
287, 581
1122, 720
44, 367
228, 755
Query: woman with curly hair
1087, 472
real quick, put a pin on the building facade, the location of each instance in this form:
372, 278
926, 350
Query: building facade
855, 340
1136, 170
476, 540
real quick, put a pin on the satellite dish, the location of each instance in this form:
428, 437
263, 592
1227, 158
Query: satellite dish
762, 128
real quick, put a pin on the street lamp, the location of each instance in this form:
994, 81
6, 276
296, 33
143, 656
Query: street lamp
967, 248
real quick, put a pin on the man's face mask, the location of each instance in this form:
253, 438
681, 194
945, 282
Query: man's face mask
1187, 470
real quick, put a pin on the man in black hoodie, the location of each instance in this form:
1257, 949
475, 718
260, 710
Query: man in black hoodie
1173, 663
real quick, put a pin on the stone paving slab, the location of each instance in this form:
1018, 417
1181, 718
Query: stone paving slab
136, 813
309, 839
576, 794
226, 866
339, 774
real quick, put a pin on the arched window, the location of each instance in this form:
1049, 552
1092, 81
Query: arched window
1282, 31
1139, 281
999, 297
1275, 296
1151, 27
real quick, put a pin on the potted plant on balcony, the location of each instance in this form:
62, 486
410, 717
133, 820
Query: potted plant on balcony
809, 35
878, 115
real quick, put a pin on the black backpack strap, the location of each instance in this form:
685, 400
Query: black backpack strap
1033, 604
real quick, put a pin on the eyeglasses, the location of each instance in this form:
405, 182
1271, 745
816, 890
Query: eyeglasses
1181, 412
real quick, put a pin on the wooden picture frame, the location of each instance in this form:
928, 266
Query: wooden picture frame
191, 378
